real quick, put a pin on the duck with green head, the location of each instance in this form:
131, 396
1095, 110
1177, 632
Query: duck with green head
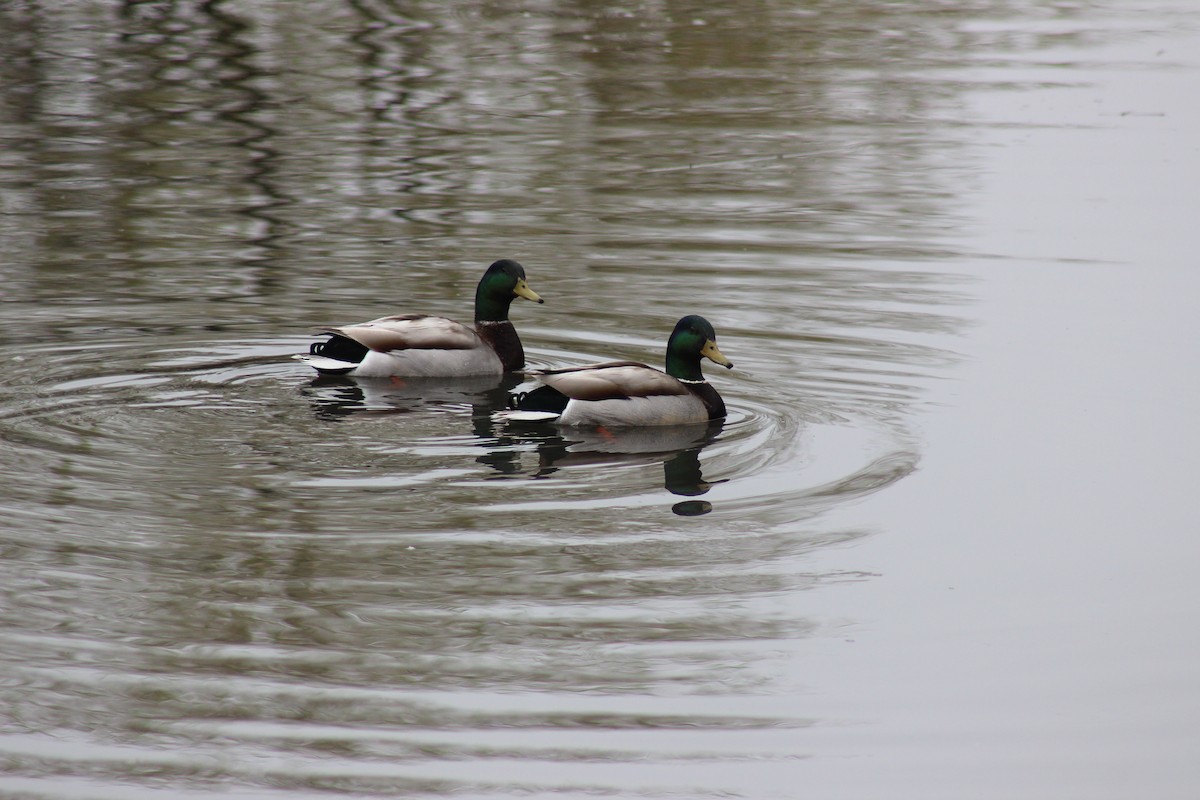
628, 393
417, 345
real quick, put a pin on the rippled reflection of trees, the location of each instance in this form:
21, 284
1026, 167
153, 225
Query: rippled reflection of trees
158, 127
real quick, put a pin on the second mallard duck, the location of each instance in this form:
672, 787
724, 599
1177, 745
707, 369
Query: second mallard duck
621, 393
416, 345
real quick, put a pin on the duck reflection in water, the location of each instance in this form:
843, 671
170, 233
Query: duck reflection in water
677, 447
336, 397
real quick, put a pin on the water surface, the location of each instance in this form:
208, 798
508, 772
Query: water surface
889, 573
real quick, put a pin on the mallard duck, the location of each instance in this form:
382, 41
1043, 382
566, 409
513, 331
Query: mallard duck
628, 393
416, 345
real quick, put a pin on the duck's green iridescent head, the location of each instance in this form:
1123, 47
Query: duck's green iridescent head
503, 282
693, 339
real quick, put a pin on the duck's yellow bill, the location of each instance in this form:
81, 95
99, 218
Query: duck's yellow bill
523, 290
711, 352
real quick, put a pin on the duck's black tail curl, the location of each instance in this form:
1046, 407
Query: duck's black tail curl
340, 348
543, 398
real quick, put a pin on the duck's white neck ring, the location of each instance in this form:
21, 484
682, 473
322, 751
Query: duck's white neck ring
685, 380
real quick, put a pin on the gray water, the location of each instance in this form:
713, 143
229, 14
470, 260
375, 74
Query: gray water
943, 546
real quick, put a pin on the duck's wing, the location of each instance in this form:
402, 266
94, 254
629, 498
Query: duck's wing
410, 332
611, 381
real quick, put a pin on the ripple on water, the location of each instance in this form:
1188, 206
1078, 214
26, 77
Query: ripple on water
225, 418
360, 581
